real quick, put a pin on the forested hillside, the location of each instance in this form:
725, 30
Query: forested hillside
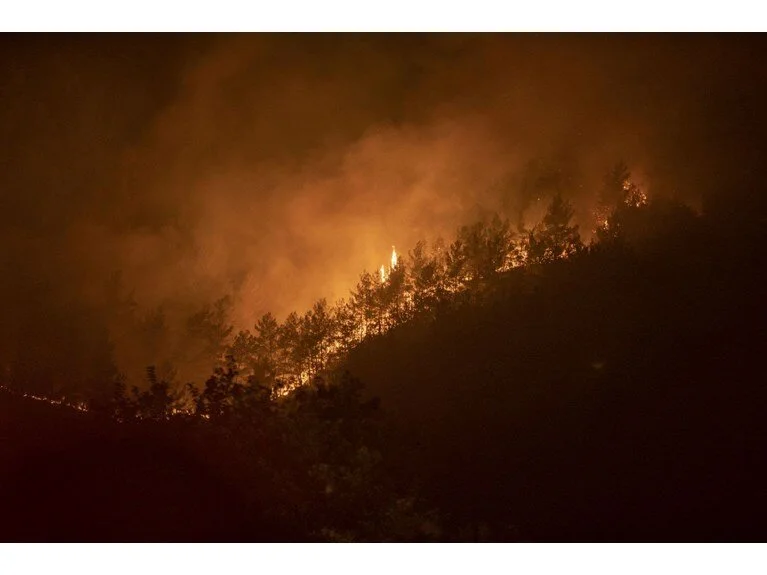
513, 384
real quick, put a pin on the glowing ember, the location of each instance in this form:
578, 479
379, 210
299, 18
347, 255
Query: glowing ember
636, 197
633, 196
78, 405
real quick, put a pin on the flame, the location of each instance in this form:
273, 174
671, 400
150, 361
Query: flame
633, 196
383, 272
78, 405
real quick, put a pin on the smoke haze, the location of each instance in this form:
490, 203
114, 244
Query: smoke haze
273, 169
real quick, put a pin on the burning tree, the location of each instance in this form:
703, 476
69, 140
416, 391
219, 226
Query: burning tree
555, 237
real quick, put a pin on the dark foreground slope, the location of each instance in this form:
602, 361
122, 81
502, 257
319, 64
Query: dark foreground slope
71, 477
616, 396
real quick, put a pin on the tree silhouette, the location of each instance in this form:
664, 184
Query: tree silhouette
316, 334
394, 296
222, 392
614, 184
157, 403
208, 330
555, 237
349, 326
366, 300
294, 354
481, 250
243, 349
427, 278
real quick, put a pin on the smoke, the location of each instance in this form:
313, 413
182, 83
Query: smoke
273, 169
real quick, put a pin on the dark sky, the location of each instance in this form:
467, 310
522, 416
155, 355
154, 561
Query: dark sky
274, 168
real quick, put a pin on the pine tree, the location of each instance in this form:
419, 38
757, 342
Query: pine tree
555, 237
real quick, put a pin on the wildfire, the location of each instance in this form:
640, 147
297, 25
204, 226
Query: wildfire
383, 272
78, 405
633, 196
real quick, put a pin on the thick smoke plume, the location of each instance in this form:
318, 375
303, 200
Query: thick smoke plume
273, 169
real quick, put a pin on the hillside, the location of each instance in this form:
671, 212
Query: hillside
615, 396
610, 392
73, 477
